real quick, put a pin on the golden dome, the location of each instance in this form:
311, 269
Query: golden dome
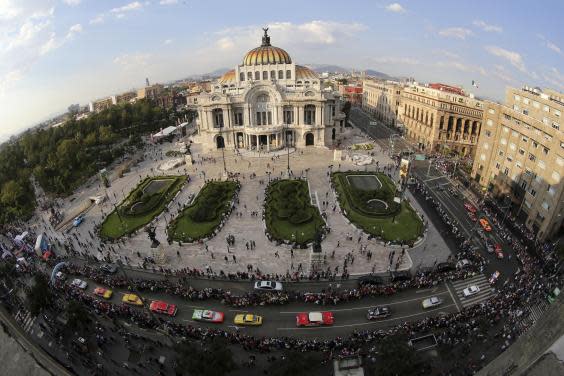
228, 77
266, 54
304, 73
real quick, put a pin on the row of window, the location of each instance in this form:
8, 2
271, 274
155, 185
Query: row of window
265, 117
537, 105
265, 75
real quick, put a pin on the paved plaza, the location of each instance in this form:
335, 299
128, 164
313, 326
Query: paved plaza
268, 257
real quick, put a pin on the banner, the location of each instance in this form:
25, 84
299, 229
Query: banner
404, 168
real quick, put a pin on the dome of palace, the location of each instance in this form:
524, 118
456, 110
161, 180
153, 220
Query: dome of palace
266, 54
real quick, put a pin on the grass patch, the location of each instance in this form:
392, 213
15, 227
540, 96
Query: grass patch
289, 214
200, 219
143, 203
396, 223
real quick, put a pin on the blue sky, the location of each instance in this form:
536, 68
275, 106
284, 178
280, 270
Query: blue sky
57, 52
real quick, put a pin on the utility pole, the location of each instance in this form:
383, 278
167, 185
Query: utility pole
287, 147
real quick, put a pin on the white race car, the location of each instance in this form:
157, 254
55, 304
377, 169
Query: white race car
79, 283
471, 290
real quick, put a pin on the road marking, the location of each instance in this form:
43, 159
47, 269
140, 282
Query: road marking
370, 322
372, 306
435, 178
452, 297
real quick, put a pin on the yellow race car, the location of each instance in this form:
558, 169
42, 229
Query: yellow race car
247, 319
132, 299
103, 292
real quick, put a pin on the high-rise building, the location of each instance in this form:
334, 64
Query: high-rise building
382, 99
521, 156
441, 118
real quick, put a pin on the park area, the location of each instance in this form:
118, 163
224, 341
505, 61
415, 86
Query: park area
289, 214
369, 201
142, 204
205, 214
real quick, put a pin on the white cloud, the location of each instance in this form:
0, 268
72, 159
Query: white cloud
168, 2
97, 20
395, 60
29, 31
73, 30
514, 58
8, 10
462, 67
129, 7
72, 2
225, 43
395, 7
501, 73
486, 27
554, 78
132, 60
456, 32
167, 41
553, 47
9, 79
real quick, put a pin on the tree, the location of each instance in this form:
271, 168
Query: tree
39, 295
296, 364
347, 111
215, 359
397, 358
77, 316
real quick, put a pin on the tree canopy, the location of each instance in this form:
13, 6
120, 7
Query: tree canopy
214, 359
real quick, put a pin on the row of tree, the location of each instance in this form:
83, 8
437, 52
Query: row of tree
62, 158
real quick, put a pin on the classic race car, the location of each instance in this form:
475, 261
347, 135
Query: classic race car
314, 319
378, 313
132, 299
431, 302
158, 306
103, 292
247, 319
208, 316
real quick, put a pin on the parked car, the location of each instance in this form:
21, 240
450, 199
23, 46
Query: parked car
268, 286
79, 283
78, 220
378, 313
109, 268
471, 290
103, 292
247, 319
208, 316
158, 306
314, 319
431, 302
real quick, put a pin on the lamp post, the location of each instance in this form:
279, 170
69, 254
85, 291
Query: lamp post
287, 146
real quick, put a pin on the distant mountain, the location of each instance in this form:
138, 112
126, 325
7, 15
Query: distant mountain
377, 74
320, 68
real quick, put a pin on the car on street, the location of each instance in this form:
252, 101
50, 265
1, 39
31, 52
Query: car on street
314, 318
378, 313
247, 319
103, 292
489, 246
78, 220
158, 306
79, 283
485, 224
471, 208
472, 217
109, 268
431, 302
499, 253
446, 266
494, 277
60, 276
208, 316
471, 290
268, 286
132, 299
464, 263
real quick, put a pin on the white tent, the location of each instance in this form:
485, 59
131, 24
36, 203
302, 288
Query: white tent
164, 132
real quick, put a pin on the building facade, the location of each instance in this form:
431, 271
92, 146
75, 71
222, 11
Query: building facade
150, 92
441, 118
521, 156
266, 103
382, 99
101, 104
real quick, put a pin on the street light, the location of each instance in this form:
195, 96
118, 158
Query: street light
287, 146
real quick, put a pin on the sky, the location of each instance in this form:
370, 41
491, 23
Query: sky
57, 52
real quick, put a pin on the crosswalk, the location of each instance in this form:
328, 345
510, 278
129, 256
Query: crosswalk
481, 281
26, 320
530, 316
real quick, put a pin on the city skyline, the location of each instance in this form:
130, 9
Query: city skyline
60, 52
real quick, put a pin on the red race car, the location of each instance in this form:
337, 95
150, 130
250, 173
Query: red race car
158, 306
315, 319
471, 208
472, 216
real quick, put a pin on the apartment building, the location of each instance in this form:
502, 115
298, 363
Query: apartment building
521, 156
382, 99
150, 91
442, 118
101, 104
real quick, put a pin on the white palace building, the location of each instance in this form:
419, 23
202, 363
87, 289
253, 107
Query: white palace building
268, 103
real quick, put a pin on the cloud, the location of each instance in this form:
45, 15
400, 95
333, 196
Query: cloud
395, 7
72, 3
128, 61
448, 54
500, 72
514, 58
97, 20
9, 79
8, 10
168, 2
554, 78
553, 47
127, 8
462, 67
486, 27
167, 41
27, 33
73, 30
456, 32
395, 60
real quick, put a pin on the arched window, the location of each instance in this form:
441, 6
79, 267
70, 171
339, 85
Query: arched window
288, 74
257, 75
249, 76
264, 75
242, 76
272, 75
280, 74
309, 114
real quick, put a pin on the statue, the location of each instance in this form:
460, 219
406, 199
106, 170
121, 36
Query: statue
265, 37
152, 236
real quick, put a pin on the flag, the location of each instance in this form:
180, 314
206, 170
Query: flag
474, 83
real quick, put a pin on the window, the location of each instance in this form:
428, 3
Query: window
545, 120
488, 134
491, 111
532, 157
525, 112
506, 130
497, 166
249, 76
272, 75
512, 146
264, 118
509, 158
545, 150
280, 74
525, 139
517, 98
545, 205
242, 76
556, 177
500, 153
288, 115
288, 74
555, 125
486, 146
557, 113
536, 104
551, 190
542, 166
218, 118
533, 192
521, 151
264, 75
488, 122
309, 114
257, 75
238, 117
526, 100
506, 171
546, 109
